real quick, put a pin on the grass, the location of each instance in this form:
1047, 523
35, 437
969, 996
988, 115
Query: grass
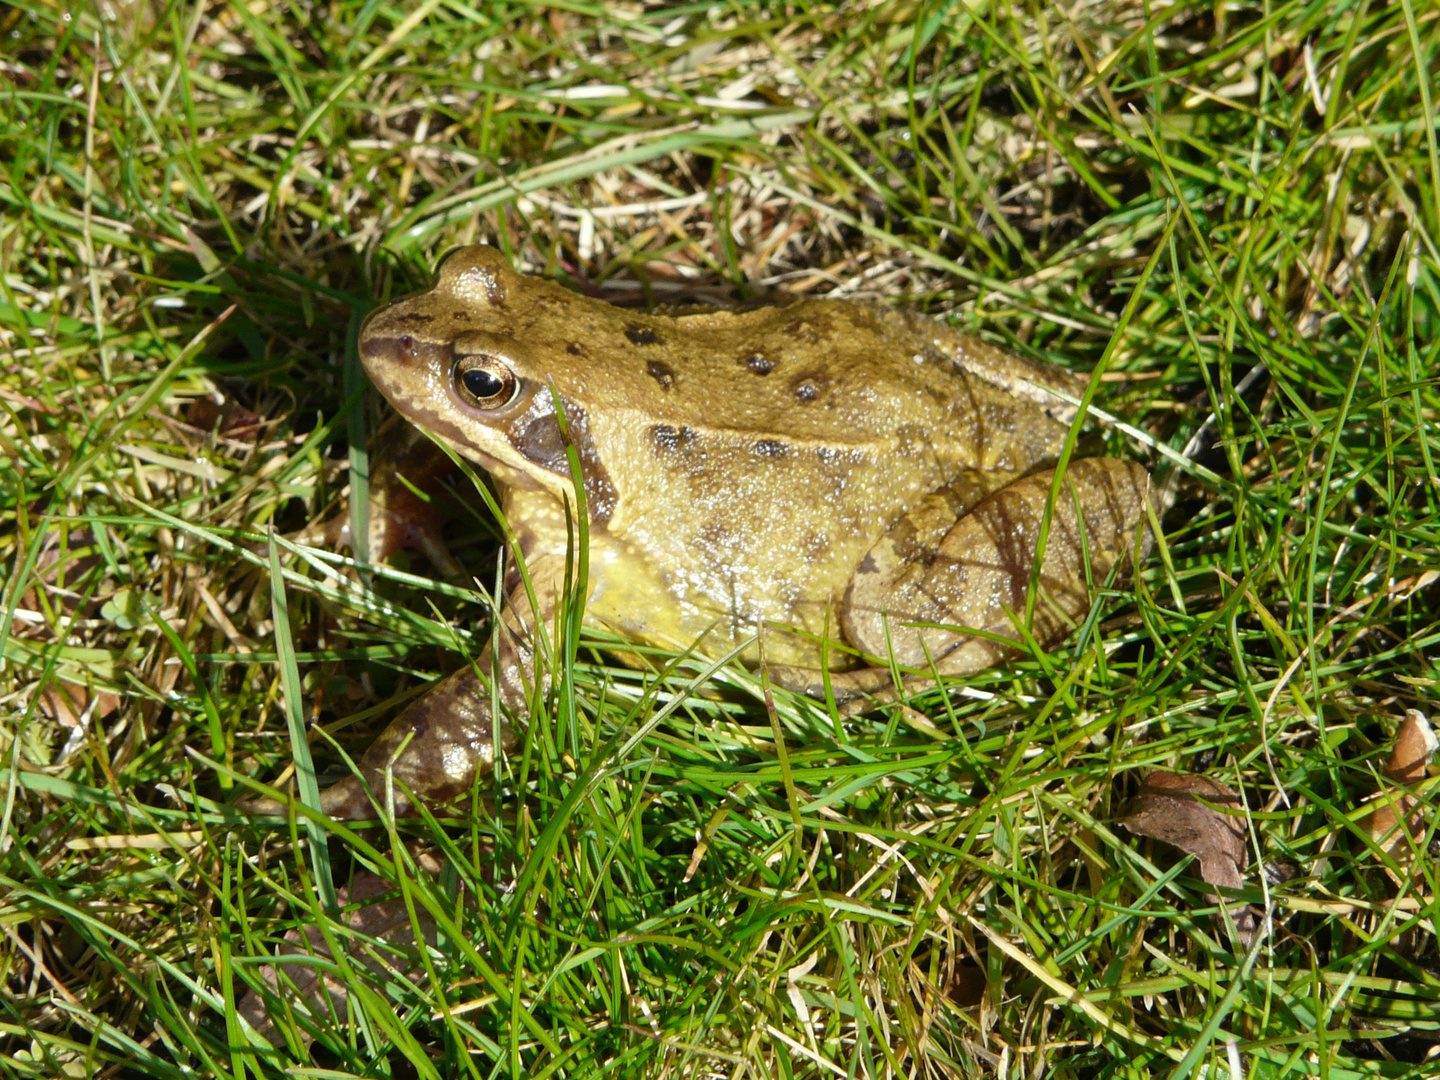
1234, 207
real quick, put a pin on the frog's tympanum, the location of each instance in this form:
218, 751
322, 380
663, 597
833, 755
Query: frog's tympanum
844, 482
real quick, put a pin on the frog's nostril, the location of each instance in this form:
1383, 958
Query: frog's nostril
407, 343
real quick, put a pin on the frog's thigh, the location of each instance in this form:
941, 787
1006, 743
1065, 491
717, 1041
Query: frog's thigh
974, 572
923, 529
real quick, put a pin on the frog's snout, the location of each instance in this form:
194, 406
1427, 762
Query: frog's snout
393, 340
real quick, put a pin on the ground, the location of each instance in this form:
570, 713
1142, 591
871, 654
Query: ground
1229, 210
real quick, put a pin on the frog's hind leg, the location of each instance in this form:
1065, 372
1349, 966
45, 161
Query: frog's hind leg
948, 598
923, 529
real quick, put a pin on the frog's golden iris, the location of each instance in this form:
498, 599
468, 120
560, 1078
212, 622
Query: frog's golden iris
486, 381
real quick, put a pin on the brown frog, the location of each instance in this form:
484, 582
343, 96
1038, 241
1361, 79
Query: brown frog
819, 477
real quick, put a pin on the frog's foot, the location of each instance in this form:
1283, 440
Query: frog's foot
435, 748
952, 601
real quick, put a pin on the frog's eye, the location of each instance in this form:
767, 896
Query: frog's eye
485, 381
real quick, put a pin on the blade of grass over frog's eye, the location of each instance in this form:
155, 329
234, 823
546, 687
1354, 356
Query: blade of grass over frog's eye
295, 724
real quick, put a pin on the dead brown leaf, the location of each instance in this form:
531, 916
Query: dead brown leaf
1167, 807
68, 703
228, 418
1414, 747
1183, 810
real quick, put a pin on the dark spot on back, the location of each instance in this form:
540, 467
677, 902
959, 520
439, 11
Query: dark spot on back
715, 532
905, 544
460, 313
760, 364
573, 349
664, 374
669, 439
810, 328
807, 387
642, 335
867, 565
911, 440
770, 448
817, 545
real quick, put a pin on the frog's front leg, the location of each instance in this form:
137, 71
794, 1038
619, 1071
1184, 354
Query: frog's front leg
931, 581
435, 747
438, 745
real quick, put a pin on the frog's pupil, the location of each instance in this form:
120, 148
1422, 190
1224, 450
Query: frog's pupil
481, 383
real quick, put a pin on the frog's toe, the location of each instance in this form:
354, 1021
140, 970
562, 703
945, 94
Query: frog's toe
261, 806
347, 800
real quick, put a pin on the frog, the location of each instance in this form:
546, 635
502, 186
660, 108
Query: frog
830, 490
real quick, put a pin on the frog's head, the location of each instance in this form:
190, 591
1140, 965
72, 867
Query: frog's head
454, 361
